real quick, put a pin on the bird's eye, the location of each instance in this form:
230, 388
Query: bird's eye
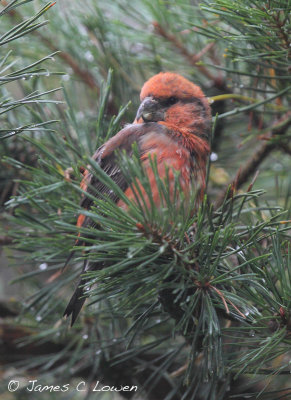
172, 100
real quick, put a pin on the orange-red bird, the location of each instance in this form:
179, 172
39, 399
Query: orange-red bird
173, 123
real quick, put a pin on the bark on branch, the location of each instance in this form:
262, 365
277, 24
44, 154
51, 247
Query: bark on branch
4, 240
193, 59
252, 164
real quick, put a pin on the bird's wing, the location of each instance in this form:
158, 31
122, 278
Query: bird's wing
107, 158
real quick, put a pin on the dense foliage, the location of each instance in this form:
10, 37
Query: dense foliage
198, 308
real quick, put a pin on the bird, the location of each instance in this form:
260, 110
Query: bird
172, 124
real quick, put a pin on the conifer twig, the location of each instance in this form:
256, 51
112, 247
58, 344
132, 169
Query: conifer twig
252, 164
192, 58
84, 74
4, 240
179, 371
284, 147
12, 335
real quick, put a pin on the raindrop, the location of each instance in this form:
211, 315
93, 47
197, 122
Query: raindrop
137, 47
80, 115
252, 333
82, 30
48, 73
89, 56
85, 337
163, 248
213, 157
114, 340
42, 266
240, 253
129, 255
98, 352
66, 77
38, 318
277, 167
241, 85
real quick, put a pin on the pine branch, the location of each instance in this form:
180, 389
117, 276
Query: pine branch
167, 278
284, 147
252, 164
8, 309
4, 240
134, 371
191, 58
84, 74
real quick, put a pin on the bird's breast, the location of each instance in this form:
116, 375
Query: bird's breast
167, 150
170, 156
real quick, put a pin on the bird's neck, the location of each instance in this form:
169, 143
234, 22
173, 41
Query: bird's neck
191, 122
197, 145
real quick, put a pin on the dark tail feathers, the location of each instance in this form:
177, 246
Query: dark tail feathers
78, 298
76, 302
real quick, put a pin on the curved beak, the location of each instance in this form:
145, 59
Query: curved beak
149, 111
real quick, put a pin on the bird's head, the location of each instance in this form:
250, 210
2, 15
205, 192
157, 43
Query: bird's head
172, 100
